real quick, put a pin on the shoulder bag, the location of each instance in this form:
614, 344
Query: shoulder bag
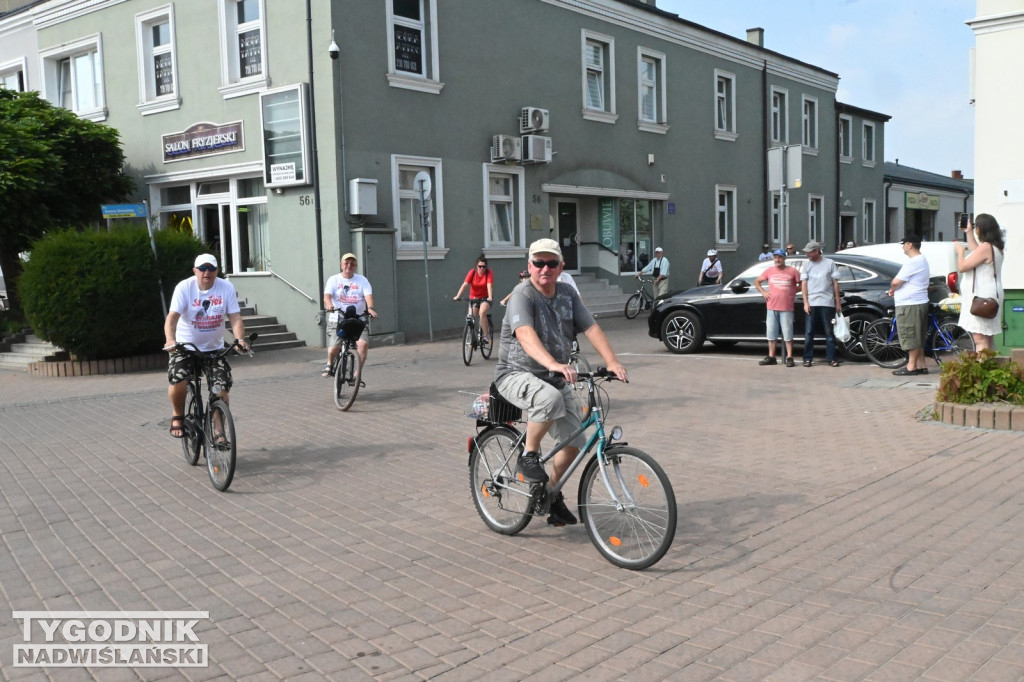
982, 306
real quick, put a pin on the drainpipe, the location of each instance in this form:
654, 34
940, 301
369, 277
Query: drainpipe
316, 167
766, 207
885, 207
839, 190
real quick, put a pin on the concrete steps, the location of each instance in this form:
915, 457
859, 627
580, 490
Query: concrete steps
272, 334
16, 354
602, 298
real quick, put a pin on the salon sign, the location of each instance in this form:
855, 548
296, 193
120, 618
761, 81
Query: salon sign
203, 139
922, 201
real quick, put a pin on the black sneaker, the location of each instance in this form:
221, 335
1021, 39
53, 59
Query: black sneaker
768, 360
531, 469
560, 514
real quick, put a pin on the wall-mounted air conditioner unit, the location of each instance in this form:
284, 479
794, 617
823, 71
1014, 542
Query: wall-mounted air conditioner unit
505, 148
536, 149
534, 120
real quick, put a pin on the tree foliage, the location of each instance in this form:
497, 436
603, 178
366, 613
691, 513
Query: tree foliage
55, 171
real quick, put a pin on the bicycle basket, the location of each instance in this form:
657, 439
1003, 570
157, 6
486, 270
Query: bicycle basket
499, 410
350, 328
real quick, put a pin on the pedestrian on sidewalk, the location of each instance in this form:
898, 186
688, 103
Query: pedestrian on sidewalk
910, 291
783, 281
658, 268
819, 282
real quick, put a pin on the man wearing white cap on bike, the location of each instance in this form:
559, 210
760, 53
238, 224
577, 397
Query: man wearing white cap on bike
710, 270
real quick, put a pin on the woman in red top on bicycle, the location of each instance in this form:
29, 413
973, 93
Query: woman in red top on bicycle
481, 285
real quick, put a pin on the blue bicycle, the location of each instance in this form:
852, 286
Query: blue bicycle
626, 502
945, 340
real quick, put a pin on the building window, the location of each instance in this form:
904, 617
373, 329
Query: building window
243, 47
651, 91
845, 138
868, 221
776, 219
407, 210
868, 144
816, 218
73, 77
412, 45
725, 215
285, 152
725, 105
12, 75
158, 73
598, 78
779, 116
635, 245
809, 132
505, 208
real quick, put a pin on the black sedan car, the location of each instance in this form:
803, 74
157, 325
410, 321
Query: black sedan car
735, 312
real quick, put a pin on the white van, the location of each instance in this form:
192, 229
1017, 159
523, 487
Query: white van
941, 257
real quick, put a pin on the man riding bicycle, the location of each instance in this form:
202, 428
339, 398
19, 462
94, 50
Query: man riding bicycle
341, 291
197, 312
532, 372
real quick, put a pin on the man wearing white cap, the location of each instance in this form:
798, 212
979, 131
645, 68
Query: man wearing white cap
543, 317
710, 270
199, 307
348, 288
658, 268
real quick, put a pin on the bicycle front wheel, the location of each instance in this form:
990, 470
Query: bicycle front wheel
220, 445
633, 306
502, 500
950, 341
882, 345
485, 345
633, 523
346, 379
192, 430
467, 344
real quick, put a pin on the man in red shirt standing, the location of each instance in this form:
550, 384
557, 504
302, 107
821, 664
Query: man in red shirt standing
783, 282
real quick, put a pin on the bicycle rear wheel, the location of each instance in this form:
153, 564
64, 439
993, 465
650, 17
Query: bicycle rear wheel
637, 531
192, 430
950, 341
347, 378
502, 500
881, 344
633, 306
220, 445
468, 343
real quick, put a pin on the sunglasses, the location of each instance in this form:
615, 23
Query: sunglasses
481, 266
207, 268
540, 264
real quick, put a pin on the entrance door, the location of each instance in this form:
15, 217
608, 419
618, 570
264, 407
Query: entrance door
568, 231
847, 230
215, 228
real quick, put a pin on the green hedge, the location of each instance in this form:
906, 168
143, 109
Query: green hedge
95, 294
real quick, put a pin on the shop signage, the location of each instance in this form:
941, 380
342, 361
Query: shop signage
922, 201
203, 139
606, 224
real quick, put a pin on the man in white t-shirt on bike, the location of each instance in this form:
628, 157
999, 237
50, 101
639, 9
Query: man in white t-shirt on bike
348, 288
199, 307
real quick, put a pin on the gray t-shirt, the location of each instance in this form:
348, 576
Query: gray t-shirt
557, 320
819, 276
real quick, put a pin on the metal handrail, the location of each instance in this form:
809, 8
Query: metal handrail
308, 297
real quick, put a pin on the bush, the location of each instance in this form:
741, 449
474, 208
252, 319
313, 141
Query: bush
981, 378
96, 295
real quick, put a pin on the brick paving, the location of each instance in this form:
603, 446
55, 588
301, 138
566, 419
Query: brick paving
826, 532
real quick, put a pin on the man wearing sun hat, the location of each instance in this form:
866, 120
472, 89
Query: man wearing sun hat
348, 288
543, 317
658, 268
198, 309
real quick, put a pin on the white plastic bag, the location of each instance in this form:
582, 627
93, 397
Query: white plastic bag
841, 328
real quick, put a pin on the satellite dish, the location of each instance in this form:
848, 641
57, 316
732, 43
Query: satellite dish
422, 183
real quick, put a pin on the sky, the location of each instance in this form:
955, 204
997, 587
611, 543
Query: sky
905, 58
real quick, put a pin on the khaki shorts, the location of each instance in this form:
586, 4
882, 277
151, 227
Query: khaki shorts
912, 325
544, 403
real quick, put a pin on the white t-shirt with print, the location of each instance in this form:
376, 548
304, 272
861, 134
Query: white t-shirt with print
345, 292
203, 313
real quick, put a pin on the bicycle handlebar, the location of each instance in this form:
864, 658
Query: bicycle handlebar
189, 347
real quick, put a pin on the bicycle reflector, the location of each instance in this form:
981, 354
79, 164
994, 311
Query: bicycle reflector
616, 432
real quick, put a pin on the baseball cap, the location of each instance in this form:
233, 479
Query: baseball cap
813, 246
779, 252
347, 256
712, 252
766, 245
912, 239
205, 259
658, 249
545, 246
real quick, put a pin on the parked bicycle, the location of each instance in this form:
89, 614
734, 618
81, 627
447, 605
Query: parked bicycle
208, 429
473, 338
945, 340
348, 366
643, 299
626, 502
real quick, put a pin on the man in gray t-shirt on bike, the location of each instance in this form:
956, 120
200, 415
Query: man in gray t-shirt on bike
533, 373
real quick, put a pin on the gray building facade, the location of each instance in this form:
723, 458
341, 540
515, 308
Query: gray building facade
609, 125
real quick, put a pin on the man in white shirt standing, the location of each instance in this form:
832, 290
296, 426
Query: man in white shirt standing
910, 291
658, 268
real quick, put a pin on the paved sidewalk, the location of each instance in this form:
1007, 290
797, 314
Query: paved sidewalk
825, 532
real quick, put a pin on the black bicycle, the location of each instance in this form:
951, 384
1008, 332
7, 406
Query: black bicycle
348, 366
473, 337
642, 299
209, 429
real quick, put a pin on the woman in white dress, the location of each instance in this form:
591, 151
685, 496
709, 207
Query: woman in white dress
981, 268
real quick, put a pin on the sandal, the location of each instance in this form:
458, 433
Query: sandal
328, 371
221, 443
834, 363
177, 429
